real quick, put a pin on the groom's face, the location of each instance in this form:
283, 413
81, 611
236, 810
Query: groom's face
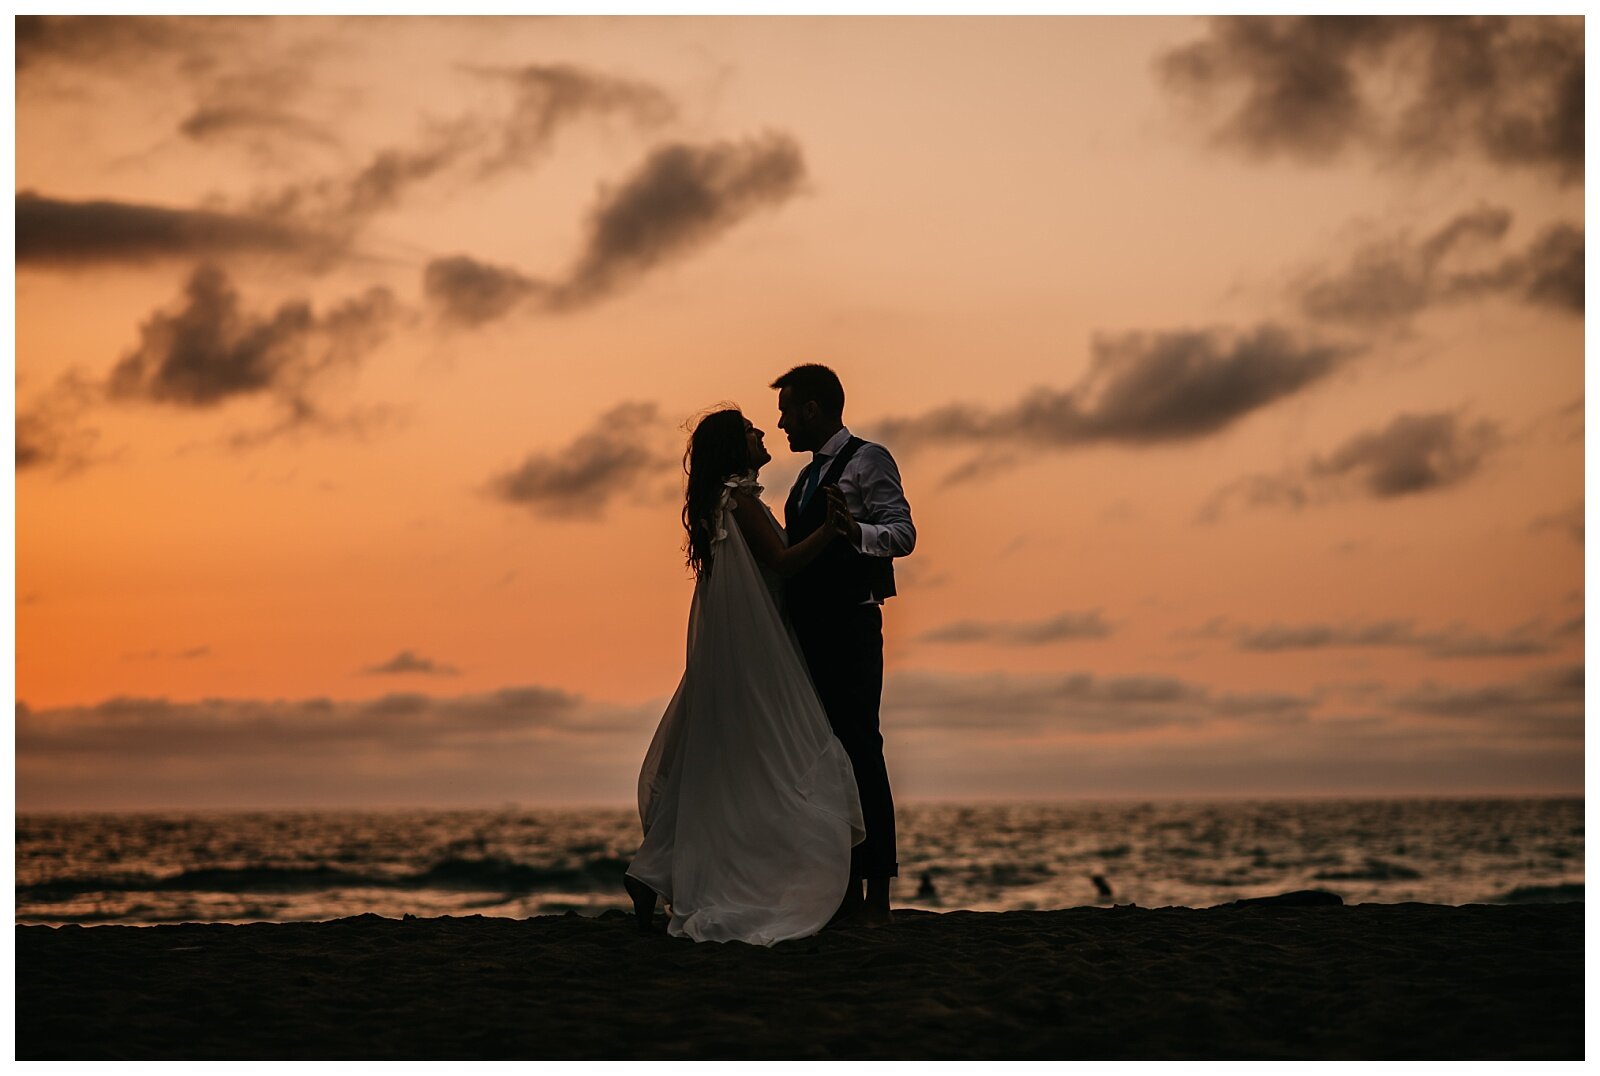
797, 420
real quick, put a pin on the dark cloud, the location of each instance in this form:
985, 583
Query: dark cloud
607, 461
407, 662
469, 292
1454, 641
113, 41
1391, 281
680, 197
1553, 269
1412, 454
210, 350
1086, 625
1422, 89
1142, 388
53, 232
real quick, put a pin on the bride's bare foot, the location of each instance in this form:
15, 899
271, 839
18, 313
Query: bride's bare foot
849, 911
644, 901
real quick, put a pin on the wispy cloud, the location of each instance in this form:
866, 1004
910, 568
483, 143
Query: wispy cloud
51, 431
1141, 388
545, 99
1413, 454
549, 97
1419, 89
1452, 641
1393, 280
1082, 625
612, 458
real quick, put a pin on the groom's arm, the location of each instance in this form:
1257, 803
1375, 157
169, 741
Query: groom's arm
882, 516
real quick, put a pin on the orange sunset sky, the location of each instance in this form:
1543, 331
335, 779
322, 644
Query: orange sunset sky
1234, 369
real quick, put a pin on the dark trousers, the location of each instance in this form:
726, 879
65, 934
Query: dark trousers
843, 647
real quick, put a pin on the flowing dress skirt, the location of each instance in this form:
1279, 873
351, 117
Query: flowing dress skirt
748, 800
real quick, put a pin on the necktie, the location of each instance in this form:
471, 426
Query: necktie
812, 479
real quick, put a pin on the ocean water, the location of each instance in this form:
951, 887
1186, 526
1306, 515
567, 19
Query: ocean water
230, 867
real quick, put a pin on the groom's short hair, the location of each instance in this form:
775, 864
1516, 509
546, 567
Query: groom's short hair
814, 381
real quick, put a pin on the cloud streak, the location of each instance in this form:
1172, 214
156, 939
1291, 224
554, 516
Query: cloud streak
57, 233
1454, 641
406, 662
613, 457
1419, 89
1413, 454
1085, 625
525, 742
1142, 389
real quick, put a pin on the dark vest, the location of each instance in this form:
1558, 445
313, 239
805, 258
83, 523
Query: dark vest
839, 576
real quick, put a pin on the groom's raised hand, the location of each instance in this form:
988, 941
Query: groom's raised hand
841, 512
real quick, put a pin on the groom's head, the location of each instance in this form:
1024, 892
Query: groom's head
810, 406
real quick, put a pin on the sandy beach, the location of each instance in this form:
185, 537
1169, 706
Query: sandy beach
1369, 981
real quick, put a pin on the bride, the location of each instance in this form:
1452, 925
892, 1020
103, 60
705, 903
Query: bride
748, 800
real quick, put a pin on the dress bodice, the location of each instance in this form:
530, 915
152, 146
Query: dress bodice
747, 484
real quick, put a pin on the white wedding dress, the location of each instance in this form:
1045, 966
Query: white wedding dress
748, 800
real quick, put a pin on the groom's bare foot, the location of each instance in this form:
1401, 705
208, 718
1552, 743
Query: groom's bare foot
875, 908
848, 914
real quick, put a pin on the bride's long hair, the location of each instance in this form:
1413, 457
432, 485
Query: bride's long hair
717, 450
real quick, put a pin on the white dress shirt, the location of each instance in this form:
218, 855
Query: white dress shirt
871, 486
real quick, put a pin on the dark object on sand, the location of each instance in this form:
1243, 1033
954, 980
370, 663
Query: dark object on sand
1300, 898
925, 890
1101, 886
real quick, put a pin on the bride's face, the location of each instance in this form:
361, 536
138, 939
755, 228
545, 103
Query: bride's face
758, 450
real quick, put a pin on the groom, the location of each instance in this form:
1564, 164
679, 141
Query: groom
836, 602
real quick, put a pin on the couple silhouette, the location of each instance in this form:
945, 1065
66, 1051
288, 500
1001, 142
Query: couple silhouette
764, 795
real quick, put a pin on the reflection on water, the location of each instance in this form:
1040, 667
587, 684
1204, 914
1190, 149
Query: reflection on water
233, 867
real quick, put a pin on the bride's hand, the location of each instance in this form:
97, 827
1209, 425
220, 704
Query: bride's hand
839, 518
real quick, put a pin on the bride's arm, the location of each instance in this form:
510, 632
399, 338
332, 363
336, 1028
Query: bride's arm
762, 537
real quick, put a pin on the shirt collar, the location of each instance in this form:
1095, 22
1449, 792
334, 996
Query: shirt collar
832, 446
